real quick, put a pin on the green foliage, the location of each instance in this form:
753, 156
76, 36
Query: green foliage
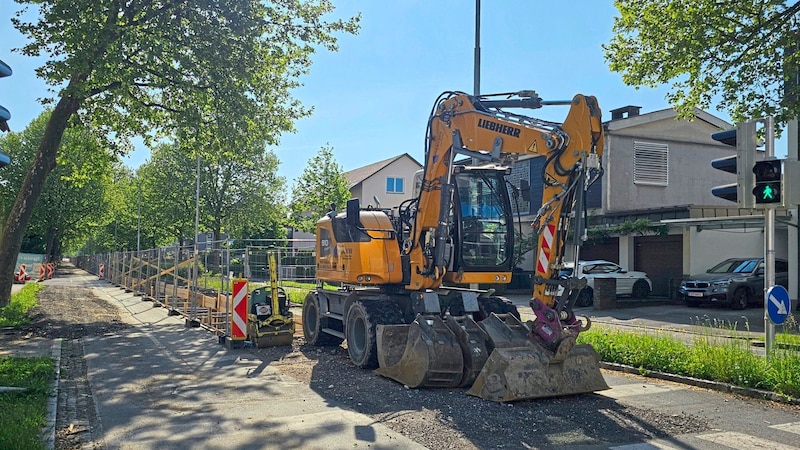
15, 314
24, 412
708, 357
733, 52
641, 227
321, 185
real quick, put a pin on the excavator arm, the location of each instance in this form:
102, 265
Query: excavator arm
483, 129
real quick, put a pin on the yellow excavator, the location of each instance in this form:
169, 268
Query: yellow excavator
409, 304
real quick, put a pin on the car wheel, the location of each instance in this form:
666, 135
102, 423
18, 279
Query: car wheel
640, 289
740, 298
584, 298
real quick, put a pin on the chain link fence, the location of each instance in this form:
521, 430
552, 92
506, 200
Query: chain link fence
196, 282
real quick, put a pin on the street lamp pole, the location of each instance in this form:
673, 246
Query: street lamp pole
477, 62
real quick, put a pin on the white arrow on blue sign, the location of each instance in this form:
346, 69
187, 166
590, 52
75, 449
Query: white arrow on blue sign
778, 304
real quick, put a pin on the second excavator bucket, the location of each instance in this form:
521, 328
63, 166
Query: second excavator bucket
425, 353
519, 369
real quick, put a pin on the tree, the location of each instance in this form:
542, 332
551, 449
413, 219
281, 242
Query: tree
168, 193
321, 185
72, 195
739, 52
244, 198
151, 67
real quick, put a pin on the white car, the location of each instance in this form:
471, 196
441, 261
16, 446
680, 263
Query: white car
633, 284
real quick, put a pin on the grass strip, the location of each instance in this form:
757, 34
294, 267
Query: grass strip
15, 314
25, 411
708, 357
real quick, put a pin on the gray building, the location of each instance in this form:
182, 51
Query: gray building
655, 192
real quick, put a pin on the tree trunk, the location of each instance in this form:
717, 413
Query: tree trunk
29, 192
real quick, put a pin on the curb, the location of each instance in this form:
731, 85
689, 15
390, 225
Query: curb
49, 430
706, 384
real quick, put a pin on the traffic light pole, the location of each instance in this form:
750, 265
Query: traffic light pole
769, 243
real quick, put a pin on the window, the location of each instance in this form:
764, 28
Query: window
394, 185
650, 163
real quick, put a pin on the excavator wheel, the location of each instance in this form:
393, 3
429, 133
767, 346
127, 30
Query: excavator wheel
363, 317
313, 323
495, 305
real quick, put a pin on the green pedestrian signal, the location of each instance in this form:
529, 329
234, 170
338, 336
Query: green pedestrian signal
768, 179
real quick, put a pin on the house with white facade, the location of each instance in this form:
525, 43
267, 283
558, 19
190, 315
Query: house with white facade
383, 184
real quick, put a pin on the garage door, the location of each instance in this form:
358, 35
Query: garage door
661, 257
608, 250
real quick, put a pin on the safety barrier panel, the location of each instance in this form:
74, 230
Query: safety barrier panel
199, 284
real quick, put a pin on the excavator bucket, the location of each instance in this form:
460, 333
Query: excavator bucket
519, 369
425, 353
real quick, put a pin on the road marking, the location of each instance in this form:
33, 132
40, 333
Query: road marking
627, 390
733, 439
792, 427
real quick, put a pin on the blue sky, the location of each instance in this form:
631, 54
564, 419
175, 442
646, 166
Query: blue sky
372, 98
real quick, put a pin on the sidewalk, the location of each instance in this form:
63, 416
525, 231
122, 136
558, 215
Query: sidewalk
160, 385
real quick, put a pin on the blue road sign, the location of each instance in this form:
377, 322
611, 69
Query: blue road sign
778, 304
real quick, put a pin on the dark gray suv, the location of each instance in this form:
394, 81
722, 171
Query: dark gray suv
737, 281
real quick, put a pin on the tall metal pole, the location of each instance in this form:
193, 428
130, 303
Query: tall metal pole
477, 62
196, 268
769, 243
139, 217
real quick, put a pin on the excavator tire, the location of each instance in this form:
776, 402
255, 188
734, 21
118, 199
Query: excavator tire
313, 324
496, 305
363, 316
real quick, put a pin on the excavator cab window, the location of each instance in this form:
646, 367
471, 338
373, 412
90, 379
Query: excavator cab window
484, 234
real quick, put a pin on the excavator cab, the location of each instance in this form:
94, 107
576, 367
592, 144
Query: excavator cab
483, 219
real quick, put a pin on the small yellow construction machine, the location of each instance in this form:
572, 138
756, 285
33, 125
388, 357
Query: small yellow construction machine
269, 321
411, 306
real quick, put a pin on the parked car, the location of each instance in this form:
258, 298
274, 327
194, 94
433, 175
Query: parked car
736, 281
631, 283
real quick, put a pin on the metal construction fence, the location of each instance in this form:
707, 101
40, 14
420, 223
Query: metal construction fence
196, 283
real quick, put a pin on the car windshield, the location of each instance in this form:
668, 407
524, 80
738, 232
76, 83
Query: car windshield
735, 266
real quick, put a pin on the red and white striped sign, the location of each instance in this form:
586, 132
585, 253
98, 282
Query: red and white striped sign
239, 316
101, 271
544, 252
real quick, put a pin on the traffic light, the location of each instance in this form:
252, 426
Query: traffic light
743, 137
769, 182
5, 116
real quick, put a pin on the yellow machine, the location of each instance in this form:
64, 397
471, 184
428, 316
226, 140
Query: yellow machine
269, 321
409, 306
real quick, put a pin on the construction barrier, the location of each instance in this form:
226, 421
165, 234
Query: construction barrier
199, 285
239, 316
101, 272
42, 272
22, 276
50, 269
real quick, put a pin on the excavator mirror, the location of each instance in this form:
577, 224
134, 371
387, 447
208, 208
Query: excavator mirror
353, 208
525, 190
